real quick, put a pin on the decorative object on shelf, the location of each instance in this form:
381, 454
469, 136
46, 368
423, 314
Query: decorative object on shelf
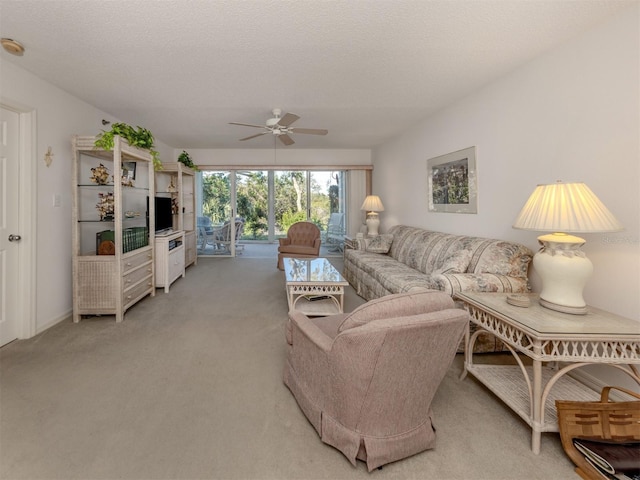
100, 175
372, 205
171, 188
131, 214
140, 137
105, 206
452, 183
563, 208
48, 157
519, 300
175, 208
185, 159
128, 174
107, 247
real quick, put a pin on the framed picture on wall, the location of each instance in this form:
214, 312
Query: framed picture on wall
452, 182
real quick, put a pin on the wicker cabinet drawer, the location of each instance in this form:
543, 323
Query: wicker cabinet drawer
134, 276
130, 262
136, 292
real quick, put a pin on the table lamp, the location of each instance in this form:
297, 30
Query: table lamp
372, 205
563, 208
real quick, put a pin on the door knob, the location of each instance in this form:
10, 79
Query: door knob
14, 238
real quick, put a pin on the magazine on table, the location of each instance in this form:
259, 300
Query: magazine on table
615, 460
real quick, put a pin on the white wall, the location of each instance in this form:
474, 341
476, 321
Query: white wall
571, 115
59, 116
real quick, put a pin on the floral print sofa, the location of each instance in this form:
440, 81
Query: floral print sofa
409, 259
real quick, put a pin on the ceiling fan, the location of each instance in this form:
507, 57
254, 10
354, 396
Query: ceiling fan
281, 127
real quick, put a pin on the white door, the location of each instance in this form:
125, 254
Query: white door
9, 235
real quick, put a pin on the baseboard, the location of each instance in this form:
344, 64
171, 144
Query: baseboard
597, 384
54, 321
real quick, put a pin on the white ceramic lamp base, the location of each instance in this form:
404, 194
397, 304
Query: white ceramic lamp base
564, 270
373, 224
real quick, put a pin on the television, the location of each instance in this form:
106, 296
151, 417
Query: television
164, 215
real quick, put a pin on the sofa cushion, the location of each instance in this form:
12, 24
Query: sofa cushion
393, 276
453, 283
501, 258
379, 243
422, 250
457, 262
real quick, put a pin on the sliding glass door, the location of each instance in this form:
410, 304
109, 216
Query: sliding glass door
290, 200
219, 227
265, 203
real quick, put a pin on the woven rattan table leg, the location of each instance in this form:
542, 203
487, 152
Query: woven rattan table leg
538, 407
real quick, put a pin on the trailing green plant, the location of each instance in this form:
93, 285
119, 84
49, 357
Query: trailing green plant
185, 159
136, 137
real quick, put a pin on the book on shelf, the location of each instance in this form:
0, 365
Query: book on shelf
614, 460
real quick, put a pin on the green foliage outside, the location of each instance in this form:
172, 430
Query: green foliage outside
289, 218
290, 201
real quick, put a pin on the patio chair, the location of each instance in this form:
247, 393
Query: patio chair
222, 236
205, 232
334, 236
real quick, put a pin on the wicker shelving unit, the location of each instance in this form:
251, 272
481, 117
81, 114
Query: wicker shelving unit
113, 253
178, 181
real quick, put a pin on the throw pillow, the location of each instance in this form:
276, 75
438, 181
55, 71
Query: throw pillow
379, 244
457, 262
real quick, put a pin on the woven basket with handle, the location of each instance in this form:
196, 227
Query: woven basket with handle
604, 420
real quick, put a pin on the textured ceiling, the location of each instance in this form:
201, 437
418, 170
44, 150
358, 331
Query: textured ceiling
364, 70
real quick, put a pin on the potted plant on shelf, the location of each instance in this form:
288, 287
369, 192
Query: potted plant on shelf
185, 159
137, 137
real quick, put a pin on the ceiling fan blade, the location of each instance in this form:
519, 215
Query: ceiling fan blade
311, 131
253, 136
246, 125
286, 139
288, 119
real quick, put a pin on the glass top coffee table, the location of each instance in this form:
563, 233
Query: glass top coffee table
314, 286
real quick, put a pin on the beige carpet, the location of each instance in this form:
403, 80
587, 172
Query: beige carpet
189, 386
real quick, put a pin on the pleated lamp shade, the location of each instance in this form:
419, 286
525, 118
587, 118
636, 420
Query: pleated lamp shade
566, 207
563, 209
372, 204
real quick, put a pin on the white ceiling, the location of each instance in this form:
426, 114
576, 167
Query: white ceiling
364, 69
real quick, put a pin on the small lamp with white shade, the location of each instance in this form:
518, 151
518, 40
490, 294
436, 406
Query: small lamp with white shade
563, 208
372, 205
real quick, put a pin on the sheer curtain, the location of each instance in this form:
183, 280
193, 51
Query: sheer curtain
356, 191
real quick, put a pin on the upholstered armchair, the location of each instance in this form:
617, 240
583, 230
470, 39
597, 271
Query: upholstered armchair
365, 380
302, 241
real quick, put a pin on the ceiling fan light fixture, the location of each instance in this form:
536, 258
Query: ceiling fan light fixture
280, 127
13, 47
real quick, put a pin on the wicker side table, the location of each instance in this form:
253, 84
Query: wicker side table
547, 337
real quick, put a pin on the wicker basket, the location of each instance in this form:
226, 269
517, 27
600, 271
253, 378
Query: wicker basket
599, 420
